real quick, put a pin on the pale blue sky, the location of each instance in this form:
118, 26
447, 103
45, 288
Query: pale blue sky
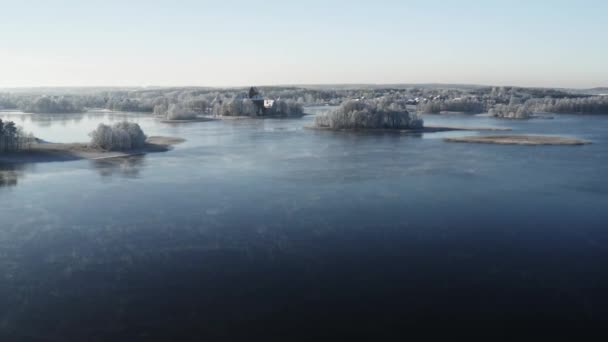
231, 43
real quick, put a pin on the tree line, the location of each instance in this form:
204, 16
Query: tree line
247, 107
511, 111
191, 102
585, 105
186, 107
465, 105
13, 138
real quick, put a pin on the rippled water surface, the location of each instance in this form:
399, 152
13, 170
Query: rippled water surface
252, 222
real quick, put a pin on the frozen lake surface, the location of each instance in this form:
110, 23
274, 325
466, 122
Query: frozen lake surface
251, 222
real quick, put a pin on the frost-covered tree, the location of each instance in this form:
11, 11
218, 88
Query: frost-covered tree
239, 107
198, 105
177, 111
122, 136
129, 105
249, 108
429, 107
242, 104
464, 105
582, 105
161, 109
285, 108
7, 102
515, 111
47, 104
386, 112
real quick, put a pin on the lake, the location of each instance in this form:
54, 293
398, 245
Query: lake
264, 228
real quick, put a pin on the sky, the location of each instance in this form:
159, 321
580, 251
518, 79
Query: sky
547, 43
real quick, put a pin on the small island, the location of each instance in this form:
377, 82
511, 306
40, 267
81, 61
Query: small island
120, 140
386, 114
253, 104
519, 140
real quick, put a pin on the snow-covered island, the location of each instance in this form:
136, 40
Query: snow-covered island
120, 140
385, 114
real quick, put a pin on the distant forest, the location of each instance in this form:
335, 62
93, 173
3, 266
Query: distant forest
184, 103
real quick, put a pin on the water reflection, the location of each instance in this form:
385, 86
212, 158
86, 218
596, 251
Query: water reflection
10, 174
128, 167
72, 127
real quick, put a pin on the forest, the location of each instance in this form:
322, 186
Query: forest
192, 102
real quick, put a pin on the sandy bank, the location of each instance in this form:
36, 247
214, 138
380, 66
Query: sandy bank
426, 129
187, 120
53, 152
519, 140
222, 117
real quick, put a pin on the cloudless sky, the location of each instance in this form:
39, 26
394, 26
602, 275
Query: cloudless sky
232, 43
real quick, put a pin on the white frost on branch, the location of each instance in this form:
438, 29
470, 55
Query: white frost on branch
121, 136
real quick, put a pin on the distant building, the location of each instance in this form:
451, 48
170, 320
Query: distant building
268, 103
262, 103
217, 100
253, 92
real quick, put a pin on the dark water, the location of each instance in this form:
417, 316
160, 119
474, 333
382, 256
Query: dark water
263, 228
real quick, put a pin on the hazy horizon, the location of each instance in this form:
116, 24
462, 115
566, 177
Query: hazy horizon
308, 85
238, 43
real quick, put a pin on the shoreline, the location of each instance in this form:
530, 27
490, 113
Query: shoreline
241, 117
59, 152
528, 140
427, 129
177, 121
